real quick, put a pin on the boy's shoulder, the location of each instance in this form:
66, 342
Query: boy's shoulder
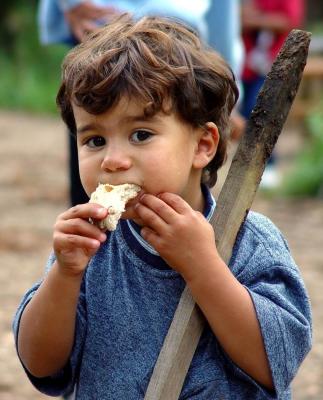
264, 231
259, 245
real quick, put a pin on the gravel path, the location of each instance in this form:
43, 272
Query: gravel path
34, 190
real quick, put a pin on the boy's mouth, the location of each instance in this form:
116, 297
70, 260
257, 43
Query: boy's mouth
135, 200
117, 199
131, 202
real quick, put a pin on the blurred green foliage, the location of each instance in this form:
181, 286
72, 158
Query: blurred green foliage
29, 72
306, 178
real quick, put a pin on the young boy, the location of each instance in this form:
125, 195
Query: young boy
150, 105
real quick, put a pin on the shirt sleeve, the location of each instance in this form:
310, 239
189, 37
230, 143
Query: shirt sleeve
64, 380
263, 264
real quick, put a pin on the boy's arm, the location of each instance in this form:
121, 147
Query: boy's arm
224, 301
46, 330
231, 314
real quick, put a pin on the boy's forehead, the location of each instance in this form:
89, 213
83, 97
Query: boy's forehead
124, 104
127, 110
124, 108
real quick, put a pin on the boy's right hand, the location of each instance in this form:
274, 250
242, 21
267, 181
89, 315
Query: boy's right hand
75, 239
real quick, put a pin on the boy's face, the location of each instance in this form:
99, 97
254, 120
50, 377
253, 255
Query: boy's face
160, 153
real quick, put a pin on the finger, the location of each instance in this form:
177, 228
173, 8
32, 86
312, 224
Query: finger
150, 236
85, 211
78, 226
87, 28
150, 218
176, 203
159, 207
65, 243
78, 33
95, 11
111, 11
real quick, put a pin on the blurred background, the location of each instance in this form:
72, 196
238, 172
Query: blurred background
34, 180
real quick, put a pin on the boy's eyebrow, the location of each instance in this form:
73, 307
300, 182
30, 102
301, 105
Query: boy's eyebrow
88, 127
130, 118
141, 117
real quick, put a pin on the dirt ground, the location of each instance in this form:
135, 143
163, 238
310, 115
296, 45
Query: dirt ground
33, 187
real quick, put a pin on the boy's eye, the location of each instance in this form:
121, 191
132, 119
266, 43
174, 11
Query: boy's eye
140, 136
96, 141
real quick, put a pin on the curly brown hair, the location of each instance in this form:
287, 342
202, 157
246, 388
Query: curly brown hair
151, 59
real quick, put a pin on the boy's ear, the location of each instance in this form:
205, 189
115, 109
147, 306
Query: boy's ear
207, 144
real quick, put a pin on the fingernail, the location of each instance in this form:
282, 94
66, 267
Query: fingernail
101, 211
95, 244
103, 237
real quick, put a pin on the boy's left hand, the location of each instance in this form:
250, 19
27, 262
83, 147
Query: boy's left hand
181, 235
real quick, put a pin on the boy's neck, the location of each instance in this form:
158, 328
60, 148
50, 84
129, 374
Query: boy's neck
196, 200
200, 203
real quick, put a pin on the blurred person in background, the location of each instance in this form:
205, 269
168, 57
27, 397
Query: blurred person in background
224, 35
265, 26
69, 21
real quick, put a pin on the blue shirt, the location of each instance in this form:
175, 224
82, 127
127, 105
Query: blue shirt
127, 301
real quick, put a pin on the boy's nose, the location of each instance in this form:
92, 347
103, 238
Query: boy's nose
115, 160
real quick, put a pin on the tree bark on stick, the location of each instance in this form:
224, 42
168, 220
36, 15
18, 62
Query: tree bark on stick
262, 131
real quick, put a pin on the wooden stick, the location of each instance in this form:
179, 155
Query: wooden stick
234, 202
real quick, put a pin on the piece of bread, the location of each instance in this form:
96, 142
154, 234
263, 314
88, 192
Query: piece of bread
114, 198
